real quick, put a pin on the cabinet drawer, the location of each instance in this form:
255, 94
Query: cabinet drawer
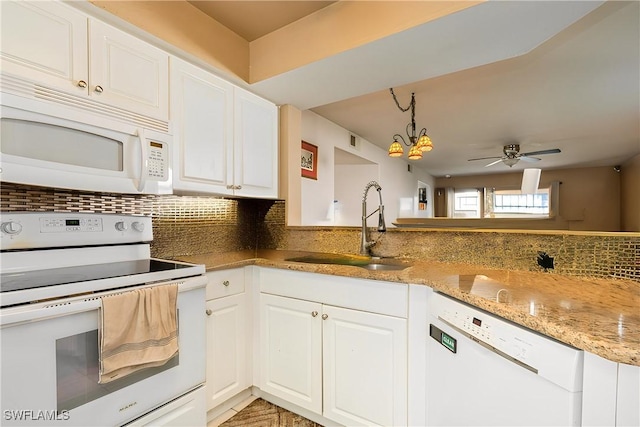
374, 296
224, 283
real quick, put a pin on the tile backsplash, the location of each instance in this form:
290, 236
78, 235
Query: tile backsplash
192, 225
182, 225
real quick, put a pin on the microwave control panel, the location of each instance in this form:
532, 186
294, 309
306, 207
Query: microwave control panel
158, 161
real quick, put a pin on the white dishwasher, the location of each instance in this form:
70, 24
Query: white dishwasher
484, 370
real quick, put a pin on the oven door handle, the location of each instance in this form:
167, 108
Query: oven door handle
49, 311
71, 305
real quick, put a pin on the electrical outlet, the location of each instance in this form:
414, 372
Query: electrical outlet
544, 260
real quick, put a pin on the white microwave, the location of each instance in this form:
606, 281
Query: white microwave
50, 148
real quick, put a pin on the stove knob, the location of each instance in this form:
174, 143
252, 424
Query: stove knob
121, 226
138, 226
11, 227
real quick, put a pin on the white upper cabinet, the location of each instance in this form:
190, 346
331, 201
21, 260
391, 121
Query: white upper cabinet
50, 49
127, 72
45, 42
202, 117
256, 146
226, 139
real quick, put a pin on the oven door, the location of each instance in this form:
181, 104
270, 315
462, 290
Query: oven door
41, 149
50, 364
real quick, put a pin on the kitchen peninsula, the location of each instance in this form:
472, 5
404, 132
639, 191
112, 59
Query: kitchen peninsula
596, 315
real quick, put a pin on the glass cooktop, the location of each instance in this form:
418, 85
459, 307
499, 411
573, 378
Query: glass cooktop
59, 276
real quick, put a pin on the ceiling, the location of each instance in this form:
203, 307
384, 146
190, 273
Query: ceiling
253, 19
540, 74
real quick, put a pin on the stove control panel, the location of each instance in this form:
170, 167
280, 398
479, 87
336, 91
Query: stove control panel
30, 230
66, 225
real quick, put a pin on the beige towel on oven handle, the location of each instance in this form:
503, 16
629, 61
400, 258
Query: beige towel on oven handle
138, 330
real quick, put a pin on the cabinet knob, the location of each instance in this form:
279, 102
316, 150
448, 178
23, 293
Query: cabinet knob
98, 89
324, 316
314, 313
238, 187
82, 84
225, 283
208, 312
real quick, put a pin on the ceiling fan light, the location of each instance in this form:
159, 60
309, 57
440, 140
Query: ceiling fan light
415, 153
395, 149
424, 143
510, 162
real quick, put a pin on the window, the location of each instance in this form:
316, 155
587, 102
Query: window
466, 203
514, 204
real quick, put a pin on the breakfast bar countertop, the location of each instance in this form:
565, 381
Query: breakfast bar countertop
601, 316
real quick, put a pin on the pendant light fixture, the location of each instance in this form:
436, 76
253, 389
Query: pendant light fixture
419, 143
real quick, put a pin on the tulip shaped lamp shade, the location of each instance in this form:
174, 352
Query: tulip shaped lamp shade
418, 143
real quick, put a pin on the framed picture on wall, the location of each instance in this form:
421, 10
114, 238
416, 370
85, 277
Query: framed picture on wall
309, 160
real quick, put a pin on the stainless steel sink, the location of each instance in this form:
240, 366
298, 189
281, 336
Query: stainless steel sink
384, 267
368, 263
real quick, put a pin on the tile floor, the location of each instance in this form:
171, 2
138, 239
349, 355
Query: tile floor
255, 412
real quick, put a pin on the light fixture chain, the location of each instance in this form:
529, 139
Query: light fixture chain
404, 110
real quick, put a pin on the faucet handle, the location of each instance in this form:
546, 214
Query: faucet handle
381, 225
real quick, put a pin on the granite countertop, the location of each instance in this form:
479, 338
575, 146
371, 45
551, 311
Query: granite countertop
600, 316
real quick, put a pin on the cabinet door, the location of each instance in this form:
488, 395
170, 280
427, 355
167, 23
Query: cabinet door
127, 72
256, 146
226, 349
628, 396
365, 368
202, 114
290, 344
45, 42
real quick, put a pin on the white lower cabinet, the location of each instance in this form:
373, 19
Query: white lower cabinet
348, 365
291, 353
228, 336
610, 393
364, 367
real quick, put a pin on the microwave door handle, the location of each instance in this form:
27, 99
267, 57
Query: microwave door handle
144, 163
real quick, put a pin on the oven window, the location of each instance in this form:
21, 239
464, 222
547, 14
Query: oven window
77, 371
42, 141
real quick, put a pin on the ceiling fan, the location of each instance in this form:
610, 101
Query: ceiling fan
512, 155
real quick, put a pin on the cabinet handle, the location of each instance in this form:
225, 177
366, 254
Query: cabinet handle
225, 283
82, 84
314, 313
230, 187
208, 312
238, 187
324, 316
99, 89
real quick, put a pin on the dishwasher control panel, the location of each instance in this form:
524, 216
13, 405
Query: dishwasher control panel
489, 331
455, 324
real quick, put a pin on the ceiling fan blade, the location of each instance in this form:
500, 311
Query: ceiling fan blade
484, 158
493, 163
529, 159
538, 153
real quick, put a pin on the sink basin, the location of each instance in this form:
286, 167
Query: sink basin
388, 267
375, 264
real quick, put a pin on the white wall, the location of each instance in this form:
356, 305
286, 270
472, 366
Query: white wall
318, 196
